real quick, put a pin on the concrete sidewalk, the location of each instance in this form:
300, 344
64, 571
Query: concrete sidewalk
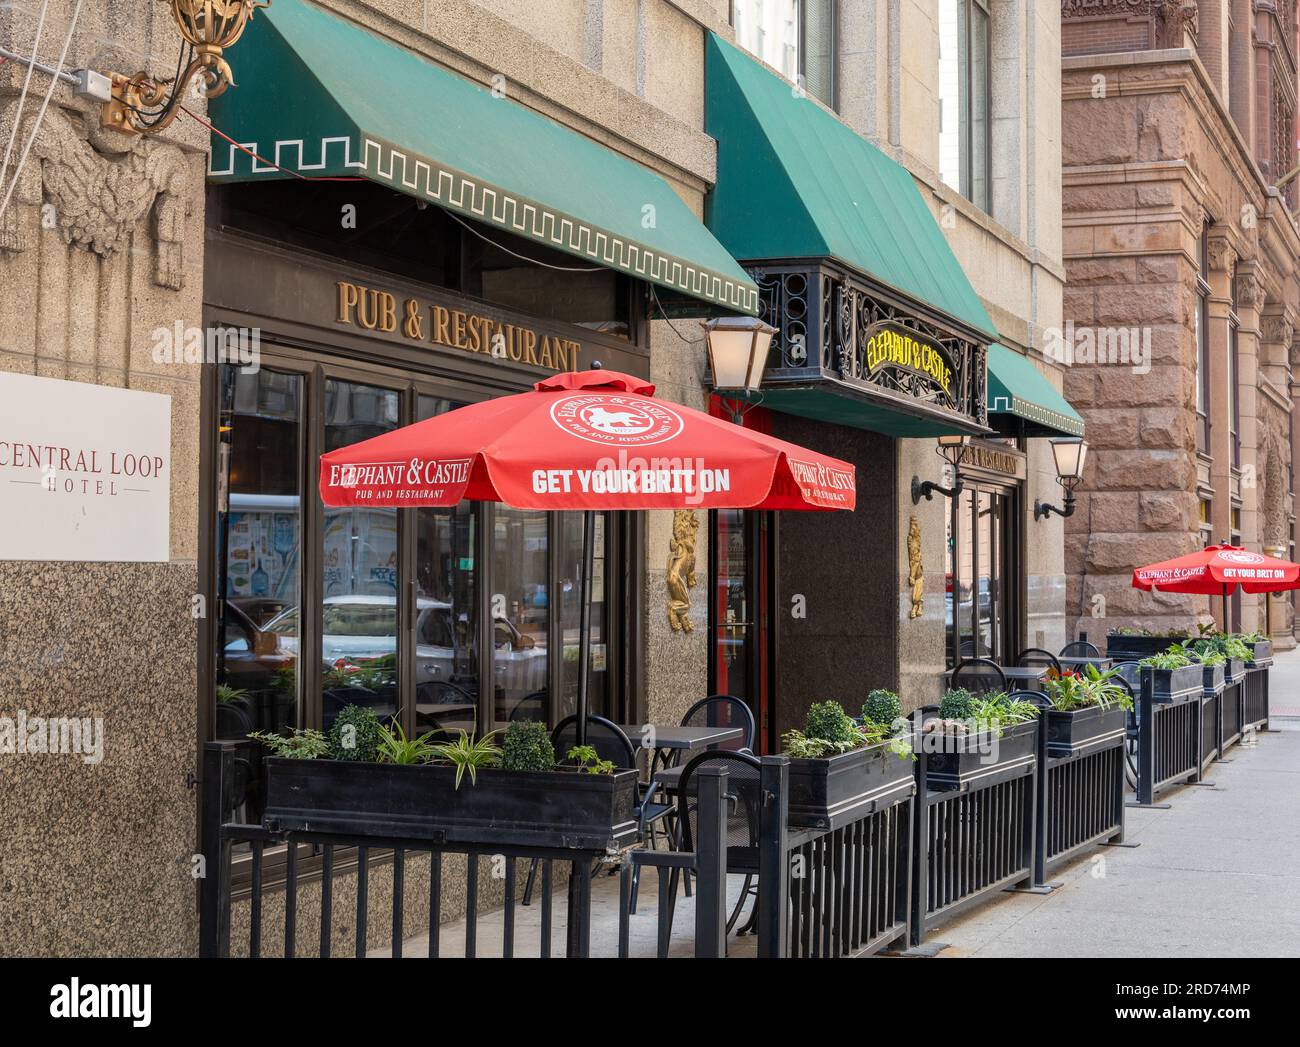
1217, 874
1284, 684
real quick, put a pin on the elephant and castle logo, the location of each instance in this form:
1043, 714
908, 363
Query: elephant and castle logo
620, 421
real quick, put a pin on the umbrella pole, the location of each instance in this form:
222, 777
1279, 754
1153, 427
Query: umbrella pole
584, 626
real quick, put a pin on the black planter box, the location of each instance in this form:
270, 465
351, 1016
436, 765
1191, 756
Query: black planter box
1124, 648
1170, 686
830, 792
1215, 679
1262, 655
964, 761
1070, 732
549, 809
1235, 671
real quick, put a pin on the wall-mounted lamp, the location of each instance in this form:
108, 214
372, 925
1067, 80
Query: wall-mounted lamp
949, 449
207, 27
1069, 454
738, 347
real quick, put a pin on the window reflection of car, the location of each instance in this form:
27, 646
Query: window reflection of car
360, 629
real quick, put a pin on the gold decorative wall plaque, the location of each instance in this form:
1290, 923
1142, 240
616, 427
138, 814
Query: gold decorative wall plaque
681, 569
915, 571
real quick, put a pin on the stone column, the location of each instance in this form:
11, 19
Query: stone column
1250, 303
1222, 265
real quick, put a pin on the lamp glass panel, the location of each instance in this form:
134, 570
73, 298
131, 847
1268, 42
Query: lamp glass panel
729, 357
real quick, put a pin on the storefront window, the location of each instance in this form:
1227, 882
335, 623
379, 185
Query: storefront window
965, 144
794, 37
1201, 322
979, 593
740, 659
446, 612
359, 576
569, 595
520, 614
1234, 395
259, 568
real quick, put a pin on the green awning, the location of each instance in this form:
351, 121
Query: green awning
794, 182
1017, 387
325, 98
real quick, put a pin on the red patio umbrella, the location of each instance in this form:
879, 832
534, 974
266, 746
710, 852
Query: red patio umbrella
591, 441
1219, 569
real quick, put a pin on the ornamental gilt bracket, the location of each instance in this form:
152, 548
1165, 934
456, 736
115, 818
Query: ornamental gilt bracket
681, 569
96, 199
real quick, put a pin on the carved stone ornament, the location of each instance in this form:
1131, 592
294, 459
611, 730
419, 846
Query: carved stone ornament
97, 198
681, 569
915, 569
1250, 292
1222, 257
1168, 17
1276, 329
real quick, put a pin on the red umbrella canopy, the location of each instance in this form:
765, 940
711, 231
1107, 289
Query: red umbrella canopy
584, 440
1218, 569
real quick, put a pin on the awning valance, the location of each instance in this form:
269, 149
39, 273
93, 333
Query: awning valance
322, 97
794, 182
1016, 387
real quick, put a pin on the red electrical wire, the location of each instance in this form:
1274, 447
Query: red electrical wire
268, 163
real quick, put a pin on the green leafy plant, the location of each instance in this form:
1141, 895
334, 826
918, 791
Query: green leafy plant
395, 747
302, 744
1252, 638
467, 754
1091, 686
226, 694
882, 708
527, 746
1166, 660
829, 722
589, 761
956, 704
355, 734
996, 711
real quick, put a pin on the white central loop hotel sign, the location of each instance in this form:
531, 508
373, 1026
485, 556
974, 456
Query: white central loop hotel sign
85, 471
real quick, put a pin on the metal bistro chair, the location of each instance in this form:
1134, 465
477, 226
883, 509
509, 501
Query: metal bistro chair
979, 676
1080, 649
744, 807
610, 743
717, 710
1037, 658
1129, 676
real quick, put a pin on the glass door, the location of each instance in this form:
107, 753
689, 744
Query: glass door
740, 649
981, 569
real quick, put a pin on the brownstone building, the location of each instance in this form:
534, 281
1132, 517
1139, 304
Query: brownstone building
1182, 297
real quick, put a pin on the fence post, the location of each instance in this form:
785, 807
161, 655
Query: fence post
711, 864
773, 858
920, 847
1038, 843
1146, 741
216, 757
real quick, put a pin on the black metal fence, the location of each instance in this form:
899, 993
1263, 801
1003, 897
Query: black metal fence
1230, 715
1254, 698
1210, 725
972, 839
222, 838
848, 887
1080, 800
885, 878
1168, 741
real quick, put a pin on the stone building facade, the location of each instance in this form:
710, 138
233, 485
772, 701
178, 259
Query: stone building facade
1181, 297
104, 246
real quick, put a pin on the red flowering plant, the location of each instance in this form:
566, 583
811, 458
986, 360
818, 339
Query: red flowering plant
1069, 689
